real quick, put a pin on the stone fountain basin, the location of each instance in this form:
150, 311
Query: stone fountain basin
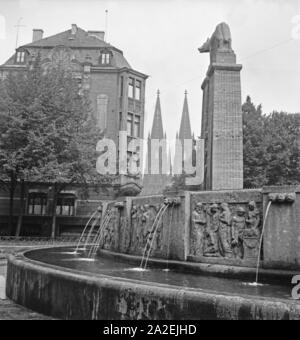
51, 281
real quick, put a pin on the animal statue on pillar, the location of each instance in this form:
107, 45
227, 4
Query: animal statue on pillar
219, 41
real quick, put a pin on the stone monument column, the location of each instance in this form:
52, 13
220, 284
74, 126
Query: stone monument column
222, 127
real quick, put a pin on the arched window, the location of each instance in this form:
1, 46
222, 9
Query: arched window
102, 103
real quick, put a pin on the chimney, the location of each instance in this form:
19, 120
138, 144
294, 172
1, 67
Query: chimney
97, 34
37, 35
74, 29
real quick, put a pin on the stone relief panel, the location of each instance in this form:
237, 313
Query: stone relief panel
225, 230
111, 227
142, 218
152, 225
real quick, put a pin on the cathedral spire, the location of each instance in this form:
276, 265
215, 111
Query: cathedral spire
157, 131
185, 131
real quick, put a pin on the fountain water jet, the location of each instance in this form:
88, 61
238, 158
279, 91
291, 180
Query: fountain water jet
169, 239
152, 227
154, 235
260, 243
97, 239
85, 230
87, 240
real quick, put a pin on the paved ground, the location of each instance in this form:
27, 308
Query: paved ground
8, 309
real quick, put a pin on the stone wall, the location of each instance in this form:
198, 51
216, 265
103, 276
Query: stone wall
79, 296
135, 221
282, 230
225, 227
216, 227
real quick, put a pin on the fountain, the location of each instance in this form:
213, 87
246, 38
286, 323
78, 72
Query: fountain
261, 242
97, 239
152, 235
82, 237
191, 255
167, 252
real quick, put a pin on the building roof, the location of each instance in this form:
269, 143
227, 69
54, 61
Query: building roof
185, 131
80, 39
157, 131
82, 42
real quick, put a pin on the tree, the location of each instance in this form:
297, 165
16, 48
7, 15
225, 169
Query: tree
254, 147
271, 147
48, 132
15, 109
282, 138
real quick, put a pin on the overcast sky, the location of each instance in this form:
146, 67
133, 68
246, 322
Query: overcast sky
161, 38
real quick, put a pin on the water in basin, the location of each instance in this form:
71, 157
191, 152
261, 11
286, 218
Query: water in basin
63, 257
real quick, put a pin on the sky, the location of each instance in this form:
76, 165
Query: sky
161, 38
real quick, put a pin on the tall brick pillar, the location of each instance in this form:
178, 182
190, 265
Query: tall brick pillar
222, 127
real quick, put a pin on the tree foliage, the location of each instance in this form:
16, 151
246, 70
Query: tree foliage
271, 147
48, 132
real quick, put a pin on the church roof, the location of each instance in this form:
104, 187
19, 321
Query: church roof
185, 131
157, 131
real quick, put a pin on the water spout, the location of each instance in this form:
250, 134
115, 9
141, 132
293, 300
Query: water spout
261, 241
169, 239
153, 232
87, 240
97, 239
152, 227
81, 238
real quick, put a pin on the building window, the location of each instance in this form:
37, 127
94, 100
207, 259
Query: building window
102, 104
137, 126
20, 57
121, 86
65, 205
105, 58
130, 87
37, 203
138, 90
130, 124
120, 121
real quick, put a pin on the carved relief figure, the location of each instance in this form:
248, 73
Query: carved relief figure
109, 232
134, 226
252, 221
140, 223
252, 232
156, 244
216, 231
126, 233
199, 224
212, 234
225, 231
146, 224
238, 228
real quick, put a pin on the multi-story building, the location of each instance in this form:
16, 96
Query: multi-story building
117, 91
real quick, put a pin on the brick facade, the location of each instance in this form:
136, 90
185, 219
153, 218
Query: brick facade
222, 127
116, 92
